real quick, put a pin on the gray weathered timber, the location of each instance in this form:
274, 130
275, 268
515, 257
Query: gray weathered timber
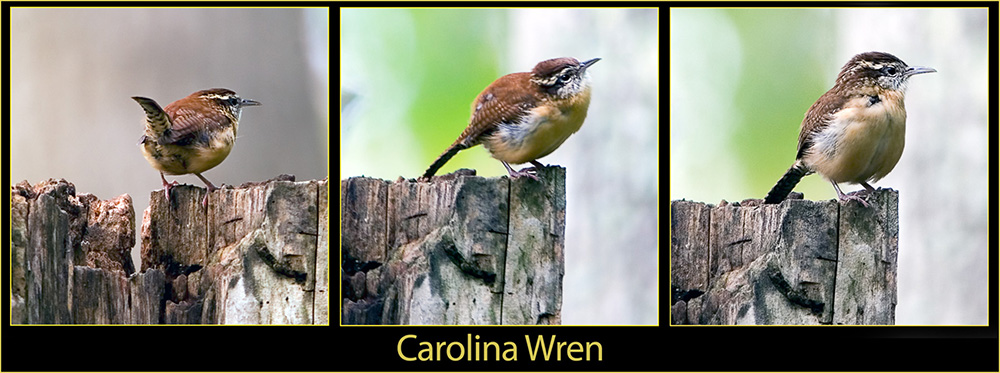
798, 262
534, 277
18, 251
18, 256
322, 271
249, 258
866, 266
253, 256
147, 291
460, 250
48, 263
55, 235
100, 296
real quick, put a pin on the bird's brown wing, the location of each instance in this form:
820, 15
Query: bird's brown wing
193, 123
817, 118
506, 100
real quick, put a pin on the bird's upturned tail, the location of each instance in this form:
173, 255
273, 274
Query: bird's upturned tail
156, 119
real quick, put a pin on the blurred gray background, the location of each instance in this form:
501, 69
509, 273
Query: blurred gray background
410, 75
742, 80
73, 72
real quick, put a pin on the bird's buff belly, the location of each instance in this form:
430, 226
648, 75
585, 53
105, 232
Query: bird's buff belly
180, 160
860, 150
536, 136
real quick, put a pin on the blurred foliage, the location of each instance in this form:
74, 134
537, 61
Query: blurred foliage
414, 73
459, 57
785, 70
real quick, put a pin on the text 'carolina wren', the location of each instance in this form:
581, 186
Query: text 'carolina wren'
855, 132
521, 117
191, 135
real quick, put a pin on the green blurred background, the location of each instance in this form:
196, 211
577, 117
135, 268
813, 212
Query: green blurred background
409, 77
741, 81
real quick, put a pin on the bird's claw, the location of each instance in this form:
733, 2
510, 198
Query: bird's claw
856, 196
526, 172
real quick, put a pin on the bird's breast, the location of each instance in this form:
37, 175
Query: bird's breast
863, 141
194, 157
539, 132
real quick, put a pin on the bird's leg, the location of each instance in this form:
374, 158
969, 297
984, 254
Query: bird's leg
864, 193
869, 190
166, 186
849, 197
517, 174
211, 187
537, 166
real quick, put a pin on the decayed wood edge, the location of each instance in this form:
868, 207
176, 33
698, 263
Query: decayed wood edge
540, 300
363, 249
53, 228
322, 311
181, 232
869, 248
428, 232
462, 236
47, 277
729, 261
18, 251
106, 309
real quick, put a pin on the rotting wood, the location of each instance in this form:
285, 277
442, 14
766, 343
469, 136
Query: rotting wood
460, 250
798, 262
256, 255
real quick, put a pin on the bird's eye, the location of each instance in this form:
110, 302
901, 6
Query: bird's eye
889, 70
565, 77
234, 100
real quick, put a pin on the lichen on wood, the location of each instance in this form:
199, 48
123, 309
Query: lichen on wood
459, 250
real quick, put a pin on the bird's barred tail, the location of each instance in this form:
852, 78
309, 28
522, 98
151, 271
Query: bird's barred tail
454, 149
157, 122
787, 183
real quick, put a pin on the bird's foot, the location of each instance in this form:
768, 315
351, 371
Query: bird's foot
859, 196
530, 172
526, 172
855, 197
166, 186
211, 187
860, 193
204, 201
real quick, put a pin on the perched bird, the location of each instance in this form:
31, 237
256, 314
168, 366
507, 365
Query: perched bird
521, 117
855, 132
191, 135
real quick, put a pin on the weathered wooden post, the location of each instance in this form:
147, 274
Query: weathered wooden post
458, 250
256, 255
798, 262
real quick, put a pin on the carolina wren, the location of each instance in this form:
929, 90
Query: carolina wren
855, 132
521, 117
191, 135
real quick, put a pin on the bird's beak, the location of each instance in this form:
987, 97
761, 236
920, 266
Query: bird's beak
246, 102
587, 64
914, 70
